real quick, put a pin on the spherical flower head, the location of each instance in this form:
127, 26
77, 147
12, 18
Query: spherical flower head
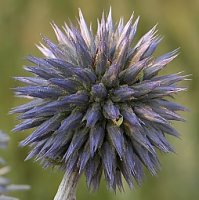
5, 184
98, 105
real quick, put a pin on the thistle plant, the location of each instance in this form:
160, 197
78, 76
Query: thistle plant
5, 186
98, 105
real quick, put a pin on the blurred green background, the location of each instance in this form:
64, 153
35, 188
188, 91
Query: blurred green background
22, 21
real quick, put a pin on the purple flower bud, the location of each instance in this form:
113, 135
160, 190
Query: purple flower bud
98, 104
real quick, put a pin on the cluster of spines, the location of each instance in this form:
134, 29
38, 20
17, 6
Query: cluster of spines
99, 104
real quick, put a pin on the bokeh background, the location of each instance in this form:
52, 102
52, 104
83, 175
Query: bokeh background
22, 21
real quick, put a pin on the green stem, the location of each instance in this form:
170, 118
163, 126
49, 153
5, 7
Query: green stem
67, 188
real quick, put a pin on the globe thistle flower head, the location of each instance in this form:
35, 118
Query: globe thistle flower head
5, 184
98, 105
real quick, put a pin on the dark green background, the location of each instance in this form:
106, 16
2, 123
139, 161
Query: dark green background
22, 21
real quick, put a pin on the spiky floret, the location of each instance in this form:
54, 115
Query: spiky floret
98, 104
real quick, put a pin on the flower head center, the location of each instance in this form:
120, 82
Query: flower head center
99, 92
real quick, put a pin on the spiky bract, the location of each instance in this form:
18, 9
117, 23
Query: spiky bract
98, 105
